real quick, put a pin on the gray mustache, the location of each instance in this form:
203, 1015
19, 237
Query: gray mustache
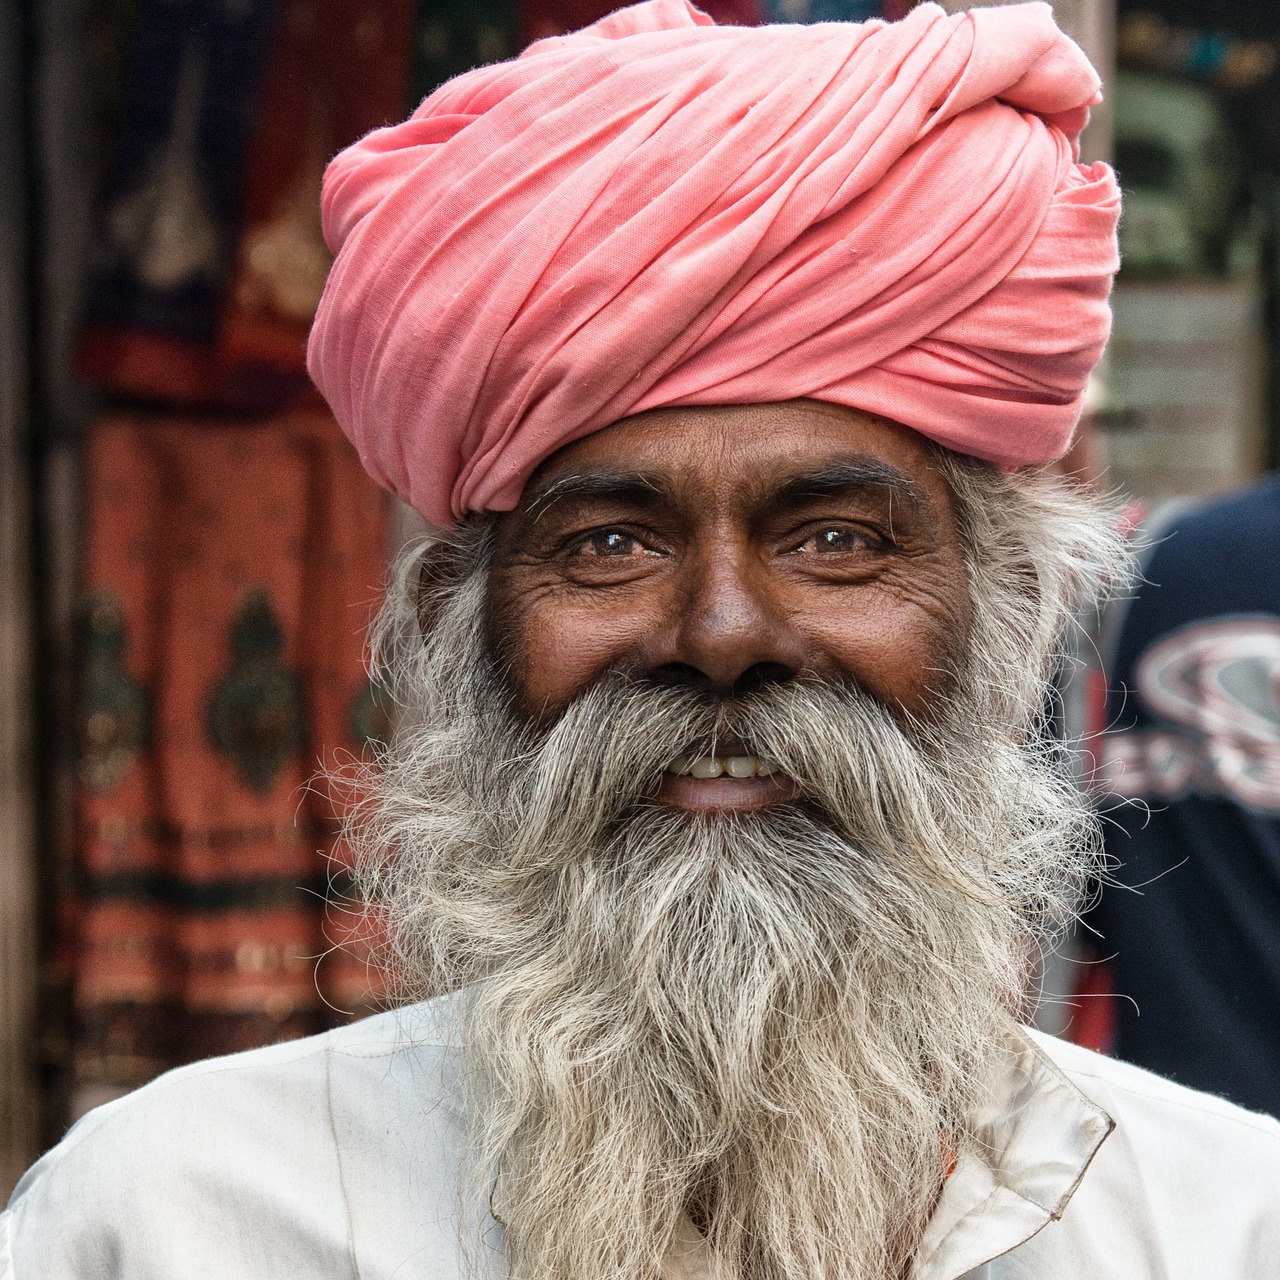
625, 730
599, 765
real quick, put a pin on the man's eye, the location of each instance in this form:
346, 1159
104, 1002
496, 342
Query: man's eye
609, 542
836, 539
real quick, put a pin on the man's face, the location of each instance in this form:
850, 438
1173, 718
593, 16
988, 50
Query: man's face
727, 548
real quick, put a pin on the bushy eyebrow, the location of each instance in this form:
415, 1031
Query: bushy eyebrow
847, 475
838, 477
598, 483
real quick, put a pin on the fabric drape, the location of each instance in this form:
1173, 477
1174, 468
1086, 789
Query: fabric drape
337, 69
660, 211
167, 228
230, 569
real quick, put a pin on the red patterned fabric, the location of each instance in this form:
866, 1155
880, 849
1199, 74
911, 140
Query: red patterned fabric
229, 574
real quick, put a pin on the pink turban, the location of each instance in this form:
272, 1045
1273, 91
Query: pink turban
660, 211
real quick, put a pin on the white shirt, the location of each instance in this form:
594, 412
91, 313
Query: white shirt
337, 1156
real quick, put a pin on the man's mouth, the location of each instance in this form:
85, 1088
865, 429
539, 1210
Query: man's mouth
722, 766
727, 780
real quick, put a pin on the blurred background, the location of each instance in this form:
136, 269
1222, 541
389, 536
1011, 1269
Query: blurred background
189, 551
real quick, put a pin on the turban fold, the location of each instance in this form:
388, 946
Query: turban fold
660, 211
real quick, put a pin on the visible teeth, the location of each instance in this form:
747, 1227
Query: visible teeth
717, 766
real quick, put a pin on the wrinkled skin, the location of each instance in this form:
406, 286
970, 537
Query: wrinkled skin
729, 546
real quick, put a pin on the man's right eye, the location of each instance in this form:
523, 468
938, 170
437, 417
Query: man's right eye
608, 542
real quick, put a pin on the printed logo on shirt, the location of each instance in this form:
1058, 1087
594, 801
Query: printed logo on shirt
1216, 688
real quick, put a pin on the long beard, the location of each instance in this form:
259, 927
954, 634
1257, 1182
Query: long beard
779, 1022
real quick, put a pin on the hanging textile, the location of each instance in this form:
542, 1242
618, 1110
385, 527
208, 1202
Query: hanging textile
833, 10
337, 68
229, 573
540, 18
168, 223
450, 38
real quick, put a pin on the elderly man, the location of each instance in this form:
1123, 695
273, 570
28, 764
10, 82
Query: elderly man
721, 360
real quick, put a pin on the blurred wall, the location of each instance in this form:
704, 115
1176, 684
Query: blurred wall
18, 1098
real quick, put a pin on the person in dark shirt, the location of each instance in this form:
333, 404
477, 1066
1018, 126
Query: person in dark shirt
1193, 926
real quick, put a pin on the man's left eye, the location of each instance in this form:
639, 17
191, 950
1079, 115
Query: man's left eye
836, 538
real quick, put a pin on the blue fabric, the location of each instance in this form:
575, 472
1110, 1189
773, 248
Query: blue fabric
822, 10
1194, 706
170, 216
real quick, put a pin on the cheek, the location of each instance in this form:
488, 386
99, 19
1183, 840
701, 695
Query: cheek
902, 650
557, 651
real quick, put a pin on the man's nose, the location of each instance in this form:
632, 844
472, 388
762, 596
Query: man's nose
732, 633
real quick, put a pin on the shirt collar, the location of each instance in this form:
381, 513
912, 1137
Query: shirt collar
1036, 1136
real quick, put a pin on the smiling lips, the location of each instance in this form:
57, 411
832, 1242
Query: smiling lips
724, 782
722, 766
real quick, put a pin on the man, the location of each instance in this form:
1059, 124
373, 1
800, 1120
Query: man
721, 360
1193, 670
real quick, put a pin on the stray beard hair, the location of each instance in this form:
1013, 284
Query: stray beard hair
777, 1024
